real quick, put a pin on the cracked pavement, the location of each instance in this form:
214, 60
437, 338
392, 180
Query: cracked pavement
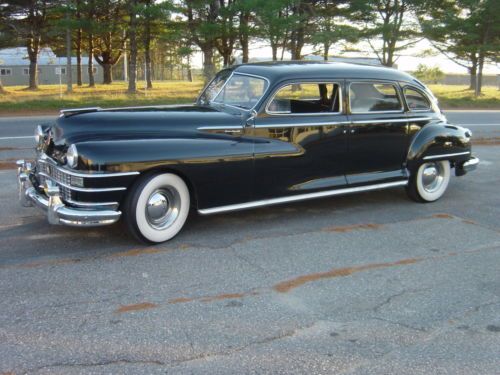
364, 284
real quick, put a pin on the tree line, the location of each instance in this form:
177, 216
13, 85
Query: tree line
466, 31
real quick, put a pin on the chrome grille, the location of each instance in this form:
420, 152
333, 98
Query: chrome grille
57, 176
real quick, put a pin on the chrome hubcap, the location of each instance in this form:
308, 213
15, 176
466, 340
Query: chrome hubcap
432, 177
162, 208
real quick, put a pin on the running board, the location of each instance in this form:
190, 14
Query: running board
299, 197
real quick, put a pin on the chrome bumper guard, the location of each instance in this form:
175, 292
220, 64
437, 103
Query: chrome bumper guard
57, 211
467, 166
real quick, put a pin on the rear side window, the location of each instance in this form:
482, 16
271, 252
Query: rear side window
416, 100
306, 98
373, 97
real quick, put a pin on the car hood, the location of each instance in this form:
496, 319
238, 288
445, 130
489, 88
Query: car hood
139, 123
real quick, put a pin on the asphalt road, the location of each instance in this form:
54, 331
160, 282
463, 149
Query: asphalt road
364, 284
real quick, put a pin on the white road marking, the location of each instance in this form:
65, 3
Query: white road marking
485, 124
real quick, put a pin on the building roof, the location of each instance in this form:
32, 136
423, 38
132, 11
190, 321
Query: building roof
281, 70
18, 56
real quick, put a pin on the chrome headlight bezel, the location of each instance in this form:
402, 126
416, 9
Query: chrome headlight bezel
72, 156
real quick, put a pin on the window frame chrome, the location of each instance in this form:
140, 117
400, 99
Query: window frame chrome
393, 83
294, 82
423, 93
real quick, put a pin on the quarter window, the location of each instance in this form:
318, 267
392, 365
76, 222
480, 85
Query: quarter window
416, 100
374, 97
306, 98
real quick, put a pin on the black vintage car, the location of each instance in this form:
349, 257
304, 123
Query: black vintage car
259, 134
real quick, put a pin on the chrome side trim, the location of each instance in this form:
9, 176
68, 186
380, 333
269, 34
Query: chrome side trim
299, 197
391, 120
46, 159
85, 190
221, 127
430, 157
410, 119
305, 124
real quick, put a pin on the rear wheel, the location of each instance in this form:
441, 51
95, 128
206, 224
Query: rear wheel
429, 182
157, 207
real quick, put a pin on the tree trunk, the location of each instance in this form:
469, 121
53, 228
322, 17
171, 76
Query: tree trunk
33, 85
208, 64
90, 66
69, 72
33, 49
132, 66
79, 57
2, 90
274, 48
479, 80
326, 51
189, 72
147, 60
147, 50
244, 19
107, 78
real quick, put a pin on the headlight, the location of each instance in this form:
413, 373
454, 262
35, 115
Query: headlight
72, 156
39, 134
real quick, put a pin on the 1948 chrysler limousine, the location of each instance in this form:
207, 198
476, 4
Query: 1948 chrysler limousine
259, 134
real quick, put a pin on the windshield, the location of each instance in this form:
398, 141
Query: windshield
236, 90
214, 87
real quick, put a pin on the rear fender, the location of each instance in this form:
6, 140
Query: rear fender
438, 138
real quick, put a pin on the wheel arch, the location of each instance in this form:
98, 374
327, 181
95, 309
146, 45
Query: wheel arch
168, 169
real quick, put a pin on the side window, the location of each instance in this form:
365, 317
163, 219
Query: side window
373, 97
416, 100
306, 98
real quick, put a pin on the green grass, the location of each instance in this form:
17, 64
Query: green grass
47, 98
18, 100
461, 97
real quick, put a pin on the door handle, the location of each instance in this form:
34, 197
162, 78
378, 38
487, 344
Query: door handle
232, 131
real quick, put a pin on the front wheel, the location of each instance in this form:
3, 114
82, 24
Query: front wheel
430, 181
157, 207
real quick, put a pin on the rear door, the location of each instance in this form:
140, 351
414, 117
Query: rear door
378, 132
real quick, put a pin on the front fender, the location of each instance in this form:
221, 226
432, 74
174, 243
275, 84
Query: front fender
436, 139
210, 165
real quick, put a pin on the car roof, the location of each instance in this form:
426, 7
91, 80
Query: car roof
281, 70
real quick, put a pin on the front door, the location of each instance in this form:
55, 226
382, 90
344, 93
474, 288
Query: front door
378, 133
300, 140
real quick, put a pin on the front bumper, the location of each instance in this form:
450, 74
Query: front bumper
50, 201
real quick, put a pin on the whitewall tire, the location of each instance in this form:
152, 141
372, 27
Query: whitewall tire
157, 207
430, 181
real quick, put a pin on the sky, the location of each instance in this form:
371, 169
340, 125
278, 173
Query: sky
407, 62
